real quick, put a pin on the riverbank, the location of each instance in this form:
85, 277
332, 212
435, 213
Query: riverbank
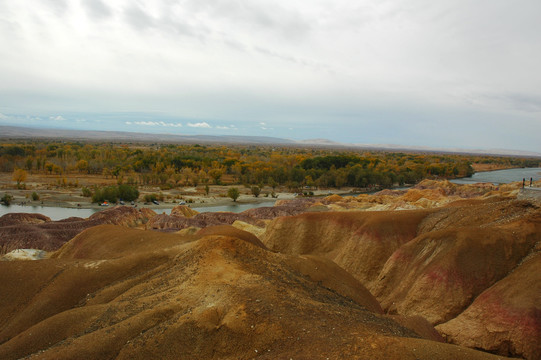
71, 198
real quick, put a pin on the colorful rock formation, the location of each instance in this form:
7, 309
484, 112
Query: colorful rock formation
114, 292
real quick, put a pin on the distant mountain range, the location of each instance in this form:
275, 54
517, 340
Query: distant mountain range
16, 132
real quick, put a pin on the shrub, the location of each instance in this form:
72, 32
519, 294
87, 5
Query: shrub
86, 192
115, 192
256, 190
35, 196
6, 199
128, 192
109, 193
233, 193
150, 197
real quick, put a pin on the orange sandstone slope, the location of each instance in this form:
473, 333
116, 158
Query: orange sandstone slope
36, 231
508, 310
114, 292
435, 263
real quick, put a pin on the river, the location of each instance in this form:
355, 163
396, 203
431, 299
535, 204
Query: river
502, 176
59, 213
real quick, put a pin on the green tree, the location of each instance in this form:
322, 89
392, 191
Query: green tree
256, 190
233, 193
128, 192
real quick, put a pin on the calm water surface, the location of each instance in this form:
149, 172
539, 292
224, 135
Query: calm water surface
58, 213
55, 213
502, 176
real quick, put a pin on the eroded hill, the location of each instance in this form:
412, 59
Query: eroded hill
339, 277
467, 265
114, 292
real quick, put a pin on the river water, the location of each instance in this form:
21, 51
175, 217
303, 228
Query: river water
502, 176
57, 213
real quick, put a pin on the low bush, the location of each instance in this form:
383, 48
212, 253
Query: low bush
115, 192
150, 197
86, 192
6, 199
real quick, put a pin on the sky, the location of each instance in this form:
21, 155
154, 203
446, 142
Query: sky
447, 73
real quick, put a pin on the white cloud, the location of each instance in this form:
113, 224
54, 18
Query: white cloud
3, 117
153, 123
328, 67
225, 127
57, 118
200, 125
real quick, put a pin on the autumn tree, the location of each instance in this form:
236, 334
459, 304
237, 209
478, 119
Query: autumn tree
19, 175
216, 175
82, 166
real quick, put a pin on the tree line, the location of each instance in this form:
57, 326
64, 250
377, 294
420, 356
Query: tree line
171, 166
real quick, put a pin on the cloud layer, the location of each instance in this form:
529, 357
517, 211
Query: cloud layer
450, 72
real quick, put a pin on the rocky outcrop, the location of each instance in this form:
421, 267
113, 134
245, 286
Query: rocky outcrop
435, 263
360, 242
121, 293
35, 231
426, 194
505, 318
178, 222
22, 218
123, 215
183, 210
24, 254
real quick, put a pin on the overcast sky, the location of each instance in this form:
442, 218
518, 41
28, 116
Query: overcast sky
446, 73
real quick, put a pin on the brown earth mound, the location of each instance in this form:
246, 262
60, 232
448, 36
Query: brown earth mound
22, 218
178, 222
183, 217
360, 242
183, 210
505, 315
123, 215
210, 297
433, 263
35, 231
426, 194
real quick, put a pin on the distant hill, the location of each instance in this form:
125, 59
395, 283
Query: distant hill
16, 132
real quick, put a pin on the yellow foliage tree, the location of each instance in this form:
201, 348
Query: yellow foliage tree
19, 175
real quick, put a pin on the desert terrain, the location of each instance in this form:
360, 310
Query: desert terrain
438, 271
